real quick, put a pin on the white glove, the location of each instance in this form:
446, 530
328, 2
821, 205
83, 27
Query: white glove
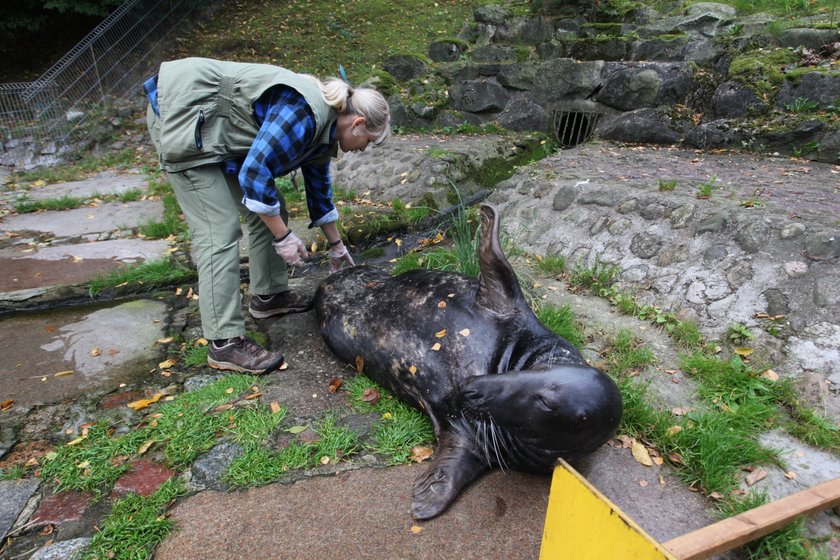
291, 249
339, 255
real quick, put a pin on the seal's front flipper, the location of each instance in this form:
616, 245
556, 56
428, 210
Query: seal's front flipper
454, 467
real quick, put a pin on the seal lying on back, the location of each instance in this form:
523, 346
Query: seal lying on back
502, 390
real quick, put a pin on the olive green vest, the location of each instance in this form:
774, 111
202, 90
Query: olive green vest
206, 109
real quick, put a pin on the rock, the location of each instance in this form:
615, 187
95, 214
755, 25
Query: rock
753, 236
525, 30
405, 67
62, 550
646, 245
718, 133
565, 78
61, 507
641, 125
517, 76
14, 494
209, 468
661, 50
596, 49
523, 113
491, 13
445, 51
494, 54
478, 96
734, 100
808, 37
823, 246
144, 478
818, 87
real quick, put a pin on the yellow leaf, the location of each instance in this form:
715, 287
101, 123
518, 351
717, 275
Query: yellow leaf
166, 340
755, 476
167, 364
325, 460
436, 346
313, 247
641, 454
201, 342
275, 407
771, 375
441, 333
674, 430
465, 332
77, 258
63, 373
744, 351
83, 464
143, 403
416, 529
79, 439
442, 304
413, 369
420, 453
145, 447
388, 416
229, 390
658, 461
790, 475
284, 366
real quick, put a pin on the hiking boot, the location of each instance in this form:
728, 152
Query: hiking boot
242, 354
280, 304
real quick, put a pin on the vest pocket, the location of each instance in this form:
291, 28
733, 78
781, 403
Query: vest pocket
198, 124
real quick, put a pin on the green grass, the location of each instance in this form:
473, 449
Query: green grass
66, 202
172, 224
595, 277
12, 473
135, 526
552, 264
561, 321
185, 428
144, 276
627, 354
316, 37
399, 428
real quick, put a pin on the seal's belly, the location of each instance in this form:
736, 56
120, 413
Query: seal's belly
418, 334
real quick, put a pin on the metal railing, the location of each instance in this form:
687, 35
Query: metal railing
111, 62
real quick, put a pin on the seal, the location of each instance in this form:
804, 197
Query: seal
502, 390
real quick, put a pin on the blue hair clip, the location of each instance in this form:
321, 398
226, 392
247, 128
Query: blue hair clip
343, 73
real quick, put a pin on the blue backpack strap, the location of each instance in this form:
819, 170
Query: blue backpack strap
150, 86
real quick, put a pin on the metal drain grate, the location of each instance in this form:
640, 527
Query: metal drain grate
573, 128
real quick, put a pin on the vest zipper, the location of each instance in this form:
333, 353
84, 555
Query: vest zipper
198, 143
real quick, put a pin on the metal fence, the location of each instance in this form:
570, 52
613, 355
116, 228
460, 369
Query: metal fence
110, 62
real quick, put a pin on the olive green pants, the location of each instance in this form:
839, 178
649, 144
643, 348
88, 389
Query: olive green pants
212, 203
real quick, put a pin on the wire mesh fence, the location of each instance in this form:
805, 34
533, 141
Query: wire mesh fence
110, 62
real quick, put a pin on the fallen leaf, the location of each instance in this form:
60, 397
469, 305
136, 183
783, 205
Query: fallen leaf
371, 396
465, 332
441, 333
96, 351
680, 410
201, 342
252, 396
78, 440
284, 366
167, 364
416, 529
388, 416
275, 407
360, 364
420, 454
716, 496
744, 351
658, 460
63, 373
113, 351
536, 285
325, 460
313, 247
143, 403
675, 458
755, 476
412, 370
296, 429
799, 453
166, 373
223, 407
640, 453
33, 462
7, 405
436, 346
661, 480
229, 390
166, 340
790, 475
145, 447
643, 483
626, 441
441, 304
771, 375
674, 430
335, 384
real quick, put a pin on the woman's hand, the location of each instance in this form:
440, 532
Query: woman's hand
338, 256
291, 249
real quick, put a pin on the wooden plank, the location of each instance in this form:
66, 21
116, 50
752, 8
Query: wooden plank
581, 523
747, 526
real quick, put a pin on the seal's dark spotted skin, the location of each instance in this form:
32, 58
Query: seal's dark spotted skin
501, 389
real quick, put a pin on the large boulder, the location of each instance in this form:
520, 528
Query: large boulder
525, 30
405, 67
818, 87
446, 51
565, 78
478, 96
630, 86
642, 126
518, 76
524, 113
734, 100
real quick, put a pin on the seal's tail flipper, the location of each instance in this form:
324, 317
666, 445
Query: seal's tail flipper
498, 286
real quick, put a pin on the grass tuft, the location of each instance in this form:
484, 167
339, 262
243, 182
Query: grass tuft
148, 276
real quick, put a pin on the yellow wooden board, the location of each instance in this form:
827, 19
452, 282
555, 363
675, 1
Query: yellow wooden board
582, 524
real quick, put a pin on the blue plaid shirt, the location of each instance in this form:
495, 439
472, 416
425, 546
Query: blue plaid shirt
287, 127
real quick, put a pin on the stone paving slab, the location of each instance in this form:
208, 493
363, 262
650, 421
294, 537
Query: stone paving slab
38, 345
106, 218
104, 183
13, 497
50, 266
